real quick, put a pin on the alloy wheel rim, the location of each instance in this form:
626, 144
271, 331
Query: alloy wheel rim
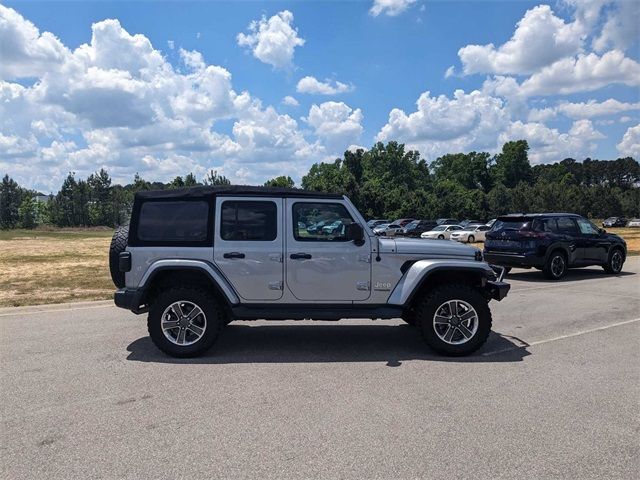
183, 323
455, 322
557, 266
616, 262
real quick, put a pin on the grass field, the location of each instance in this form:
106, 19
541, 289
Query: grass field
55, 266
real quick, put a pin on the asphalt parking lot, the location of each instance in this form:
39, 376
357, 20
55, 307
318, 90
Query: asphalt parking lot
555, 393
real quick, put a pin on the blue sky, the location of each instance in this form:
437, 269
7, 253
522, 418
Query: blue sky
385, 60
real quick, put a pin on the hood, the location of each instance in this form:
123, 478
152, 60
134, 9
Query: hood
426, 248
615, 238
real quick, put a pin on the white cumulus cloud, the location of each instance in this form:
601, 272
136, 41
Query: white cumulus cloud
586, 72
312, 85
337, 124
629, 146
290, 101
272, 40
116, 102
390, 7
622, 27
540, 39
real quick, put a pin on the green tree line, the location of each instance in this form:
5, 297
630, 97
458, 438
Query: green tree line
386, 181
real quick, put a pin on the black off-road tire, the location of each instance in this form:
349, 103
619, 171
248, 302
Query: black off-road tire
427, 308
118, 244
614, 265
409, 317
551, 269
213, 311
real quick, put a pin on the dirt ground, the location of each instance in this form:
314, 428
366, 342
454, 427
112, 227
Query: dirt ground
65, 265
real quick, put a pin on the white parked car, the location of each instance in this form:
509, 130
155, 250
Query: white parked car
472, 233
441, 232
634, 222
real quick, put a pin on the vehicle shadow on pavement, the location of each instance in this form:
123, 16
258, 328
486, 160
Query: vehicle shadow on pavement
242, 342
574, 275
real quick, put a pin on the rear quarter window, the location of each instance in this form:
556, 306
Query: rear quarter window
178, 222
510, 224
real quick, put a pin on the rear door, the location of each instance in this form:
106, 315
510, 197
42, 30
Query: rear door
568, 228
324, 266
248, 246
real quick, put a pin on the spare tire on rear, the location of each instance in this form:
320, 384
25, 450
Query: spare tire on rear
118, 244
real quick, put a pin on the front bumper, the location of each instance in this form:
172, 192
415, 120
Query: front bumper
497, 289
130, 299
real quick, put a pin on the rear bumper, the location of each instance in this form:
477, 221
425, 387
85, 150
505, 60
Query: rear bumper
129, 298
526, 260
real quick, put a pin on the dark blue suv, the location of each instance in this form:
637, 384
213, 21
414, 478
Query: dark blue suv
553, 243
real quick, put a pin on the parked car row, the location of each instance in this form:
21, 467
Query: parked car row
621, 222
440, 229
550, 242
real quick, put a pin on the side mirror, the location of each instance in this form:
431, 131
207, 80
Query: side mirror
355, 232
602, 231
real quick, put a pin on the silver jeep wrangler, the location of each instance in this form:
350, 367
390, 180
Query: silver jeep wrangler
196, 259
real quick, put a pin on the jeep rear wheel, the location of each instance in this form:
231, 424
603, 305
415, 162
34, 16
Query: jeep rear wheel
454, 319
185, 322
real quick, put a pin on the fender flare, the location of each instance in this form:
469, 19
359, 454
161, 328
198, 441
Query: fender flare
218, 279
421, 270
559, 246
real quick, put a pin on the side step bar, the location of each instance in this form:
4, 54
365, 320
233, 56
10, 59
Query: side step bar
313, 312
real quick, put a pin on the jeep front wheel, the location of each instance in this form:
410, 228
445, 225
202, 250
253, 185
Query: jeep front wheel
454, 319
184, 322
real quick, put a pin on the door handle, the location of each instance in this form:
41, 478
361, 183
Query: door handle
233, 255
300, 256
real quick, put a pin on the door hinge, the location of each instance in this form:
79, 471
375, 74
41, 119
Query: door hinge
275, 257
276, 286
362, 286
364, 258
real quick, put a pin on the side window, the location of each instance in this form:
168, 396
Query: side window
586, 227
483, 228
320, 222
567, 225
545, 225
173, 222
249, 221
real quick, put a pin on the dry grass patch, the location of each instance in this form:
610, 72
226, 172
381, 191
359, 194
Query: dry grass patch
42, 266
631, 236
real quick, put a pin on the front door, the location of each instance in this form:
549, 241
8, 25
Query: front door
248, 246
596, 247
321, 264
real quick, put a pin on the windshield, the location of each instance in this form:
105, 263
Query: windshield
441, 228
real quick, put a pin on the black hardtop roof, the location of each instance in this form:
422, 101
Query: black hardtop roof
537, 215
227, 190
